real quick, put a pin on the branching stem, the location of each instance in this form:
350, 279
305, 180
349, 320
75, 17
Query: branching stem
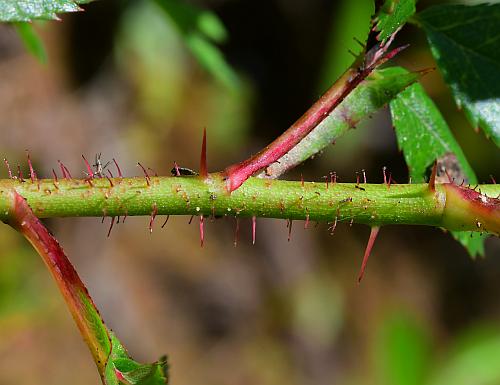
449, 206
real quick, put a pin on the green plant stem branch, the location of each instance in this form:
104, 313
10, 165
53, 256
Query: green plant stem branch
371, 204
367, 98
74, 292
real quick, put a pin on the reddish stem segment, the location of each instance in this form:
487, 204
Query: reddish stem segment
72, 288
238, 173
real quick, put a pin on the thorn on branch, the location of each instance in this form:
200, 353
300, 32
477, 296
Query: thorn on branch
373, 236
334, 225
254, 225
111, 225
326, 181
8, 168
89, 172
333, 177
64, 170
20, 173
236, 231
117, 168
202, 230
32, 171
203, 157
145, 174
153, 216
56, 180
432, 179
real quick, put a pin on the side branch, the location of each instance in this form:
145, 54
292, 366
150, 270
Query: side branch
238, 173
448, 206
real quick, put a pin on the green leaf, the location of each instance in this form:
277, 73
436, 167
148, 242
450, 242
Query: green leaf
28, 10
31, 41
424, 136
465, 42
121, 369
392, 15
201, 29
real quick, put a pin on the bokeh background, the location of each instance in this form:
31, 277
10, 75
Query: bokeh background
126, 79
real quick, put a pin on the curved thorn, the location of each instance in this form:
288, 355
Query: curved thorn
111, 225
55, 176
373, 235
118, 168
166, 220
145, 173
89, 169
32, 171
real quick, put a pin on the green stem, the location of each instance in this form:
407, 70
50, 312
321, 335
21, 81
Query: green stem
367, 98
371, 204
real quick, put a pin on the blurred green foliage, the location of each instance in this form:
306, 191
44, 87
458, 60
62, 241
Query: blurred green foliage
201, 30
349, 30
402, 350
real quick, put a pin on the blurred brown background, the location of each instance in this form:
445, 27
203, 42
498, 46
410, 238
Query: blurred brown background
121, 82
